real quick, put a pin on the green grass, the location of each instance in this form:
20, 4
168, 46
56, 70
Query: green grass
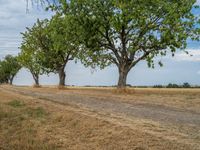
19, 125
38, 112
16, 103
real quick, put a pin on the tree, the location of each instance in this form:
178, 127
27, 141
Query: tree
186, 85
54, 45
170, 85
61, 47
8, 69
40, 3
28, 56
3, 78
126, 32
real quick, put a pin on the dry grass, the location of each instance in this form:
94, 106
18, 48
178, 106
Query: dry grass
186, 99
36, 86
19, 123
183, 99
27, 123
61, 87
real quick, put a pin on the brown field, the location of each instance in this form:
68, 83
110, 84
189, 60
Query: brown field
99, 118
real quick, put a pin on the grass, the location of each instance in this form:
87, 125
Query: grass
19, 124
16, 103
38, 112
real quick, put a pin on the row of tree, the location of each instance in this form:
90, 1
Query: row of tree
173, 85
105, 32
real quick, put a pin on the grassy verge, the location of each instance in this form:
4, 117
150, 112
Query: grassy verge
19, 124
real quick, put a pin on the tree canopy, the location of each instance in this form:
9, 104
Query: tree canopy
52, 45
61, 46
120, 32
126, 32
28, 56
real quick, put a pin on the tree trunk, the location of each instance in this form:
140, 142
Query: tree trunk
62, 76
36, 79
123, 72
11, 80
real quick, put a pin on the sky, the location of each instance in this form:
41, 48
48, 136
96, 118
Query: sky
14, 19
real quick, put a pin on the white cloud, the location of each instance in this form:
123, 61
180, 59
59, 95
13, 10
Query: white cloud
198, 72
198, 2
193, 56
14, 20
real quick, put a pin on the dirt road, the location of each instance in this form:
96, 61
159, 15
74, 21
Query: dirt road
110, 106
180, 121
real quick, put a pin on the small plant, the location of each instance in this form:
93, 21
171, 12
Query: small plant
16, 103
36, 112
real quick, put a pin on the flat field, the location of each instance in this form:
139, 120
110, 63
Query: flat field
99, 118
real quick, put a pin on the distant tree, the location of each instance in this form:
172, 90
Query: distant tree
126, 32
170, 85
186, 85
158, 86
8, 69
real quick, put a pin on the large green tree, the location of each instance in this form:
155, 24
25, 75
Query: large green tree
9, 67
125, 32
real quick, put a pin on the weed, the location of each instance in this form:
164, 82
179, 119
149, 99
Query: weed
16, 103
17, 131
38, 112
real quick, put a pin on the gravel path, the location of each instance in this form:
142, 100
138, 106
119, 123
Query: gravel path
157, 113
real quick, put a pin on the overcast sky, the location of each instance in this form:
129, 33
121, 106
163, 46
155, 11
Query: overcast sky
14, 19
